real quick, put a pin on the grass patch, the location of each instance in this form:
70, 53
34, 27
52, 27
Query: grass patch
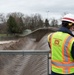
3, 35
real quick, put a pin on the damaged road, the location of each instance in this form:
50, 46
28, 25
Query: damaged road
27, 64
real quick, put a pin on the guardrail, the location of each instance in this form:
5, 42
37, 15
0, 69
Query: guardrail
28, 52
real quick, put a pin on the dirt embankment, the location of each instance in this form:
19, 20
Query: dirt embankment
35, 40
25, 64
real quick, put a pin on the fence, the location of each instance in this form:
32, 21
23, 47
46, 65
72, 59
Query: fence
24, 62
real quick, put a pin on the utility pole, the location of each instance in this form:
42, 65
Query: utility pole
47, 13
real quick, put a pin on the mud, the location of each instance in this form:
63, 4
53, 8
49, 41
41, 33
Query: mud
25, 64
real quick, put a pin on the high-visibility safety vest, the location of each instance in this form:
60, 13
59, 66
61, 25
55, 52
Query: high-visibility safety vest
61, 59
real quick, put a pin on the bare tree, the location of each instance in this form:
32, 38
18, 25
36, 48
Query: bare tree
54, 22
33, 22
3, 26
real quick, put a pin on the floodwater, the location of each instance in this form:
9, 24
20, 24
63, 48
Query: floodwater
4, 42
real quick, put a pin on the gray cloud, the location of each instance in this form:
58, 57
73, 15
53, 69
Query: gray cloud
55, 7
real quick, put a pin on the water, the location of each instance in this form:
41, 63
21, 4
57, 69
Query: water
4, 42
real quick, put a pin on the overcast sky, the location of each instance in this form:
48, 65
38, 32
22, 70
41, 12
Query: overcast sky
47, 8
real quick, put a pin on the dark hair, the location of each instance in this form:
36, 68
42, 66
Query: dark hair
66, 24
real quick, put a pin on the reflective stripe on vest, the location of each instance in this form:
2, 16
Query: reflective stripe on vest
66, 55
63, 64
66, 64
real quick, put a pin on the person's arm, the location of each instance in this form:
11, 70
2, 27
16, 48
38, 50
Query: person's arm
72, 51
49, 41
49, 44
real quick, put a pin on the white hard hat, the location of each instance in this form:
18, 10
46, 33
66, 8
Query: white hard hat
69, 18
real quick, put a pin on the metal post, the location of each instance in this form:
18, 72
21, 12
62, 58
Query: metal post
47, 13
48, 63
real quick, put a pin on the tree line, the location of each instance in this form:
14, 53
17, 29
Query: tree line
16, 23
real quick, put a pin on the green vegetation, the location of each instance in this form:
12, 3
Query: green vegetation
46, 23
3, 35
17, 23
12, 25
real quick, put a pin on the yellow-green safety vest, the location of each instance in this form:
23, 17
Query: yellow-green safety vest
61, 59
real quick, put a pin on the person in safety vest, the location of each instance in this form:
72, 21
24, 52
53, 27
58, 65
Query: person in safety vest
61, 44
